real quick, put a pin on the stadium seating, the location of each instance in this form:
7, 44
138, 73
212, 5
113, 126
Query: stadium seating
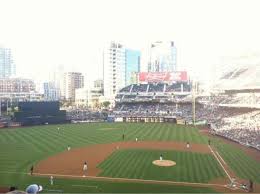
139, 88
156, 88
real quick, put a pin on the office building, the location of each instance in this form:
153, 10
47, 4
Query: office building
132, 65
120, 66
114, 69
162, 57
72, 81
88, 97
51, 91
7, 65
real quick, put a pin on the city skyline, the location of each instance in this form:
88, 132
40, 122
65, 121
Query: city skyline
204, 32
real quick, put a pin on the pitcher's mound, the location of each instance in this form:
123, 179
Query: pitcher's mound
164, 163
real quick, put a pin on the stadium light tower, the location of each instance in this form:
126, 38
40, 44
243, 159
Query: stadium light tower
194, 93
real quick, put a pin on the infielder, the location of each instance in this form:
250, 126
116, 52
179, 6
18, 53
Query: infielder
68, 148
85, 166
161, 158
188, 144
136, 139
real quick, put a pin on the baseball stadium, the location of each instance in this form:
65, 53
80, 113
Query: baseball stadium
158, 138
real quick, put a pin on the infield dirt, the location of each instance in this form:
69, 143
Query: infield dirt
71, 162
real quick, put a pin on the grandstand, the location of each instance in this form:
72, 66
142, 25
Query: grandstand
232, 109
153, 102
153, 92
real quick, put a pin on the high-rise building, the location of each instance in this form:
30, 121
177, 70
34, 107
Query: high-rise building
162, 57
132, 65
88, 97
120, 66
57, 76
114, 68
72, 81
7, 65
16, 85
13, 90
99, 84
51, 92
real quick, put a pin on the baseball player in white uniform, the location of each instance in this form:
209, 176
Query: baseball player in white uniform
188, 144
85, 166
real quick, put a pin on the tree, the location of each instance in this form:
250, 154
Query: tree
106, 104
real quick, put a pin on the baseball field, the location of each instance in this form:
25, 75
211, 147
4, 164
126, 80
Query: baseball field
120, 159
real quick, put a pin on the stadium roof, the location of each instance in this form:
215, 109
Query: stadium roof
240, 77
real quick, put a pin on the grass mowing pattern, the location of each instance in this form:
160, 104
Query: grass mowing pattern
243, 165
90, 186
22, 147
137, 164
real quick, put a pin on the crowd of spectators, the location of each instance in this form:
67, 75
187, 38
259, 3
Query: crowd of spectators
241, 99
243, 128
178, 87
156, 88
152, 109
85, 115
238, 124
139, 88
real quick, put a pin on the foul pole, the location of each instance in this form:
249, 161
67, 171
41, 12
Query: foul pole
194, 90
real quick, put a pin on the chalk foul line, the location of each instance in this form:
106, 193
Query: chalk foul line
131, 180
220, 163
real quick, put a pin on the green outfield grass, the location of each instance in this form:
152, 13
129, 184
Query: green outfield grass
22, 147
137, 164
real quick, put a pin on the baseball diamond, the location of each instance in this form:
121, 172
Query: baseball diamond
114, 165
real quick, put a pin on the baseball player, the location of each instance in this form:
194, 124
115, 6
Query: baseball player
85, 166
68, 148
51, 180
31, 170
161, 158
136, 139
188, 145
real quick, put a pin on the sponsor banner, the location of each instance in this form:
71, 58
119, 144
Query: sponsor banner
163, 76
